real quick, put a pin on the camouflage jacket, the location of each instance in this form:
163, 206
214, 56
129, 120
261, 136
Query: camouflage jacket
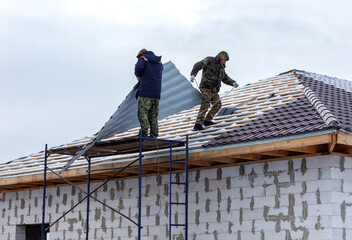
213, 73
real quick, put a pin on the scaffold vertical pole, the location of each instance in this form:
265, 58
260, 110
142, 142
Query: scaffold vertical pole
44, 191
88, 202
140, 187
186, 197
170, 193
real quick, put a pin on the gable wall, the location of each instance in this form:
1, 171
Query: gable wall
295, 199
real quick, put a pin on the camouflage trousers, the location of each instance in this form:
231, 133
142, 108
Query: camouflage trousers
148, 109
208, 97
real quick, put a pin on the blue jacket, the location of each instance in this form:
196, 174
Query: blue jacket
149, 69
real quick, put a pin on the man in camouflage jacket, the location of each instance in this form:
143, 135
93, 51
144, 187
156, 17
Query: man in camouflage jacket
213, 74
148, 71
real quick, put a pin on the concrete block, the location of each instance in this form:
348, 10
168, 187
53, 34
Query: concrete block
322, 185
270, 189
240, 182
317, 162
230, 172
237, 204
209, 174
205, 236
256, 191
315, 197
197, 228
278, 166
345, 175
348, 162
255, 214
295, 188
334, 161
209, 217
219, 184
309, 175
346, 186
264, 201
272, 235
195, 187
218, 227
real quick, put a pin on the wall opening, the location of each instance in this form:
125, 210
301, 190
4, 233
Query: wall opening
30, 232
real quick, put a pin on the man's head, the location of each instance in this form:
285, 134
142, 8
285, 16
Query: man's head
223, 57
143, 50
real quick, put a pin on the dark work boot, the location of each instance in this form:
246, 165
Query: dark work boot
198, 127
208, 123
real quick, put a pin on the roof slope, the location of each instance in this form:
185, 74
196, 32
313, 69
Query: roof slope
336, 94
291, 103
325, 104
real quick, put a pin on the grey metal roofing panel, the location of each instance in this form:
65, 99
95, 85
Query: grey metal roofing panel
177, 94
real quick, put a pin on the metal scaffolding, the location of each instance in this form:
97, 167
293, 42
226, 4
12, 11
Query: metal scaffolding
142, 141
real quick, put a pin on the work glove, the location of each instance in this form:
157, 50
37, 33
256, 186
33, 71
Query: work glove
192, 78
235, 84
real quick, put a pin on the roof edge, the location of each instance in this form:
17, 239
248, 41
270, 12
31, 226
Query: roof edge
328, 117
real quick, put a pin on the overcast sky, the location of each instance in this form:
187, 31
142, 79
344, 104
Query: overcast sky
65, 66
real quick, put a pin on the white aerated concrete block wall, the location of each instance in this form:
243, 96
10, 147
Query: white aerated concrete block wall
308, 198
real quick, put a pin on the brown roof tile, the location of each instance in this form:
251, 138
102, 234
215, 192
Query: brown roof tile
336, 99
296, 117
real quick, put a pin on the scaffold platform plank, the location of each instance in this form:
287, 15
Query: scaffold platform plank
117, 146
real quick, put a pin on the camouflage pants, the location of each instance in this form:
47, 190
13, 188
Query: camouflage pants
148, 109
208, 97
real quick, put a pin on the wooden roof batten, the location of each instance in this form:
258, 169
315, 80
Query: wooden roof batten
328, 142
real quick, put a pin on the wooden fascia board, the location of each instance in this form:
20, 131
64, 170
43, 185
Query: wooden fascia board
264, 147
344, 138
308, 149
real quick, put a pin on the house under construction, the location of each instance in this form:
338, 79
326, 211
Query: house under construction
276, 165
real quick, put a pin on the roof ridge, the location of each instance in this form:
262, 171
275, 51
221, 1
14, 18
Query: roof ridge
328, 117
292, 70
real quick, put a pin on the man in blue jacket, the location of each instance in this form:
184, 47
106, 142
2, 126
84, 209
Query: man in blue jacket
148, 71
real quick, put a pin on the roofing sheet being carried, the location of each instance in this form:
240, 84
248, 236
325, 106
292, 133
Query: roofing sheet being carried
177, 94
